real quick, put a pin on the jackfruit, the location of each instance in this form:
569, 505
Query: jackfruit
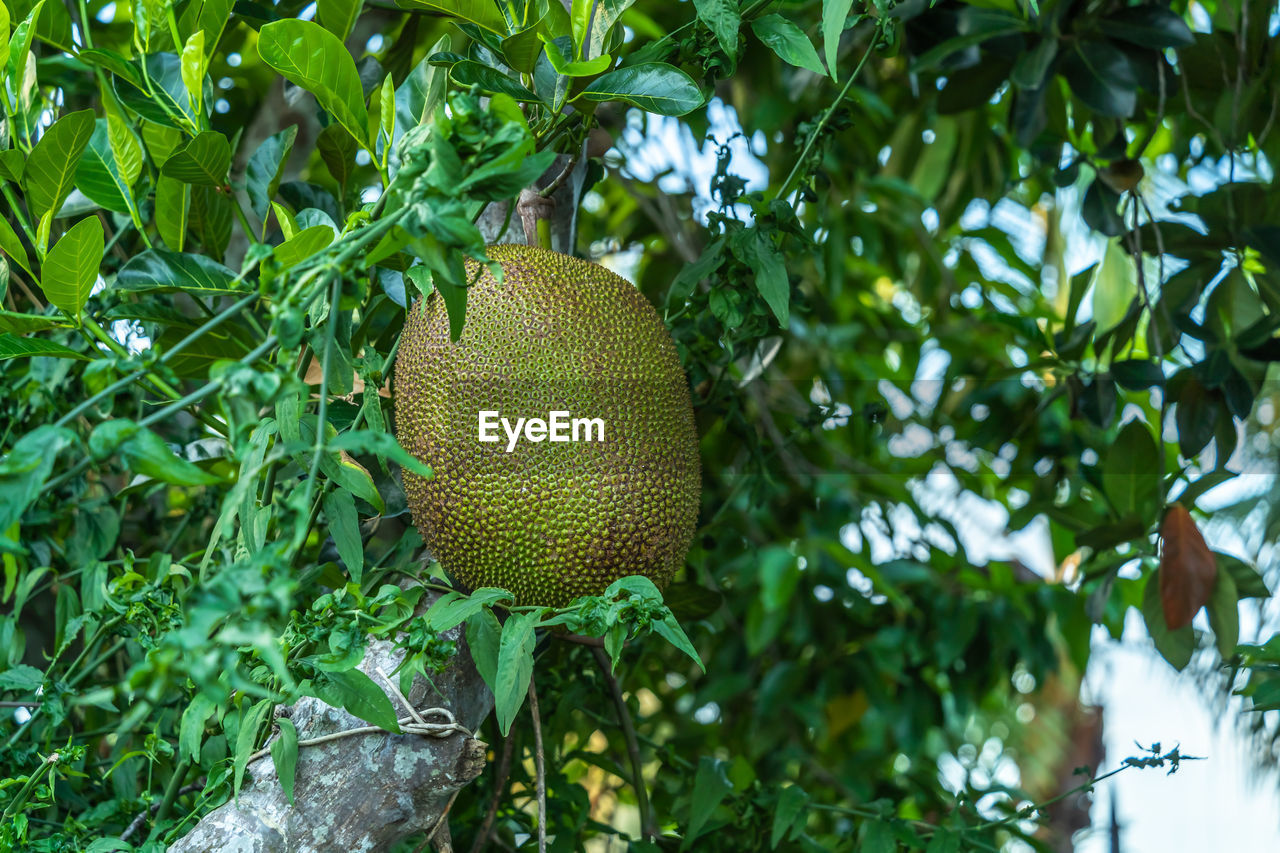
548, 520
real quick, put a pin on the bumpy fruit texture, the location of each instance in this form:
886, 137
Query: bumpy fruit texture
549, 521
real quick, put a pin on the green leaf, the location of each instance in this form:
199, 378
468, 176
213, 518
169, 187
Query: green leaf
771, 276
98, 176
788, 41
468, 72
422, 92
359, 696
203, 161
72, 265
515, 667
338, 16
1032, 66
209, 16
384, 446
566, 67
12, 346
4, 38
1249, 583
453, 608
191, 729
834, 15
145, 453
1100, 75
173, 202
710, 786
1224, 614
1151, 25
520, 51
284, 755
23, 324
11, 245
194, 65
482, 13
1131, 473
247, 737
265, 168
126, 150
310, 56
344, 527
20, 44
26, 467
608, 13
652, 86
1174, 646
159, 96
52, 164
789, 813
722, 18
484, 637
159, 269
669, 629
975, 26
303, 245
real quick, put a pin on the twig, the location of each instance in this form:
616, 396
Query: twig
499, 785
137, 822
539, 762
647, 828
22, 285
550, 189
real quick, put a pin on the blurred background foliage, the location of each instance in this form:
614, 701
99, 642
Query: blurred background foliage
969, 294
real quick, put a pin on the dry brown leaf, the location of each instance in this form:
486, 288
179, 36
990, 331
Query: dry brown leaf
1187, 569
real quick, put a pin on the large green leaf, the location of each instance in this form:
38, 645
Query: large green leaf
173, 202
338, 16
834, 15
344, 527
1150, 25
788, 41
482, 13
515, 667
165, 100
202, 162
52, 164
310, 56
4, 37
607, 14
72, 265
723, 19
12, 246
12, 346
157, 269
710, 786
210, 17
98, 176
1174, 646
652, 86
126, 150
1101, 76
1131, 475
266, 166
471, 73
422, 92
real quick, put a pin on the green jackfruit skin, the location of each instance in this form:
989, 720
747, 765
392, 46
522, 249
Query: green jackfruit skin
549, 521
